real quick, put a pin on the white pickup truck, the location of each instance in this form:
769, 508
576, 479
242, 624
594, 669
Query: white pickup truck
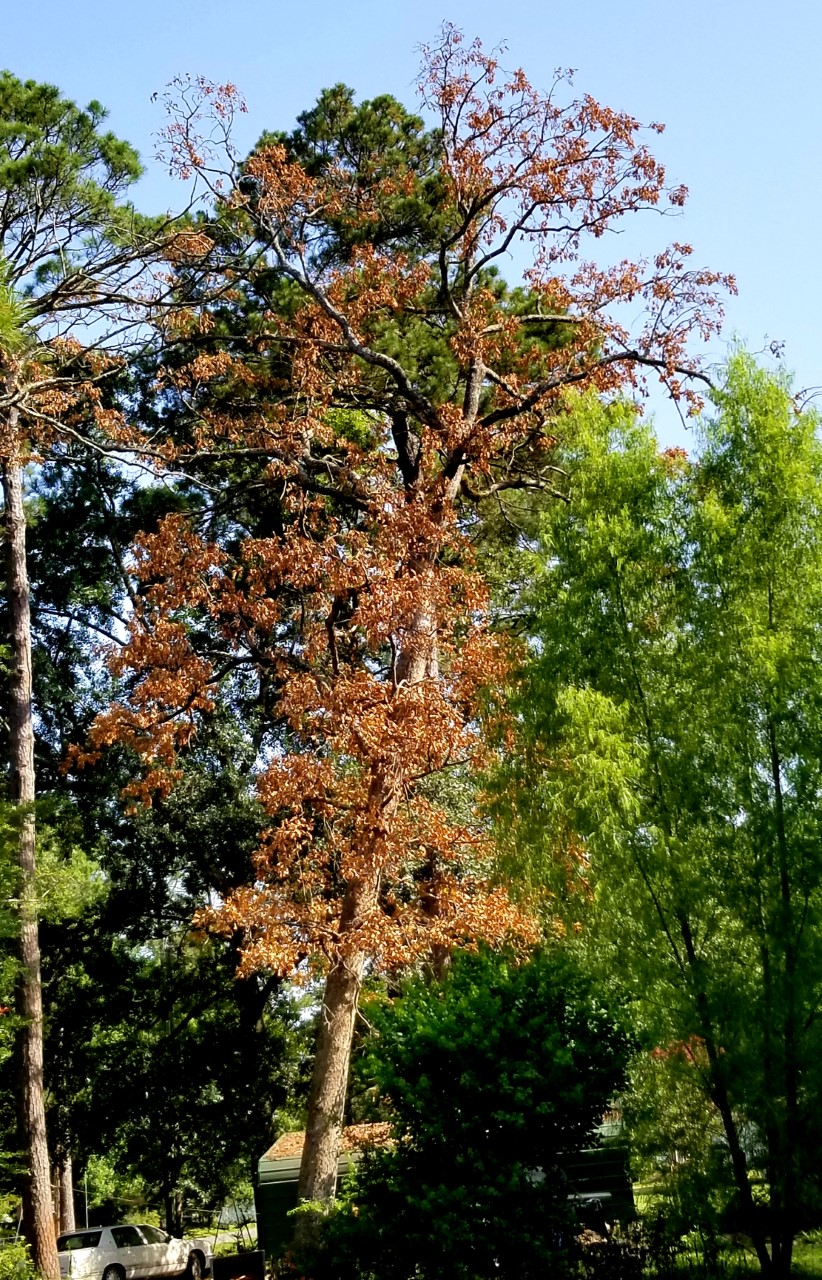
130, 1253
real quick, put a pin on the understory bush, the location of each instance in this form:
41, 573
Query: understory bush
15, 1261
490, 1079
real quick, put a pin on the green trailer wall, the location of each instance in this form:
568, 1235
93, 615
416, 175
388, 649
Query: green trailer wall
275, 1195
599, 1174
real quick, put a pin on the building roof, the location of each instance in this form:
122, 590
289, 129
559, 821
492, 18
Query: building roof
289, 1146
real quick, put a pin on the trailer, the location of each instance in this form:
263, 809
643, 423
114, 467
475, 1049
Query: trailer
597, 1178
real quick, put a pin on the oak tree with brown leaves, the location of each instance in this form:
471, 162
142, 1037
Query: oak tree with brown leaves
386, 383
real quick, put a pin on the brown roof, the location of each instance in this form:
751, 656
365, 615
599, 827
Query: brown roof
354, 1138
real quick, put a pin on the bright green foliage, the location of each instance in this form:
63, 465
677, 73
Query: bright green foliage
668, 780
13, 313
490, 1076
16, 1263
678, 1153
68, 881
113, 1194
69, 884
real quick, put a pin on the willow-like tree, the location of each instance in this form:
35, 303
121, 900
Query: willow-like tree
668, 759
387, 381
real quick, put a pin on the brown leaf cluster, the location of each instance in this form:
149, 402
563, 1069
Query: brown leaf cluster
363, 610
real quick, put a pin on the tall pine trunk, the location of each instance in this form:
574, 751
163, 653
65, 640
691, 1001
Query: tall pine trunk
38, 1222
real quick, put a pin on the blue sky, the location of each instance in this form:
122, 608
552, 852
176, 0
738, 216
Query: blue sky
737, 84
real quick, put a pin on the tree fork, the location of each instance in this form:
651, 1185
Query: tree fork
37, 1201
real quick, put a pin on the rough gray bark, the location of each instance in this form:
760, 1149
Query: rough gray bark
38, 1219
329, 1083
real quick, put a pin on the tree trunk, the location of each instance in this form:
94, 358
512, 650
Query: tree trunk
174, 1213
416, 662
65, 1193
329, 1081
332, 1062
37, 1204
787, 1141
722, 1102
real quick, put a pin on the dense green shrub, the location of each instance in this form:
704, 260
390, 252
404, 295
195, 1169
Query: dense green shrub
491, 1078
15, 1262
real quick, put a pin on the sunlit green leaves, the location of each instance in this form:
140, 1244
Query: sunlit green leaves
14, 313
668, 776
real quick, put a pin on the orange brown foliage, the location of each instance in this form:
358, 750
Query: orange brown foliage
371, 622
363, 610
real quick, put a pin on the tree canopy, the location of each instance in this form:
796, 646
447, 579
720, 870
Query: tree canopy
283, 451
386, 383
667, 780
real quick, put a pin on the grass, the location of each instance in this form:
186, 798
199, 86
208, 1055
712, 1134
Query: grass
739, 1262
807, 1255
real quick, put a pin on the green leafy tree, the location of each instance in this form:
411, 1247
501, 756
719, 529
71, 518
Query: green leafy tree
155, 1053
668, 774
679, 1155
176, 1074
80, 515
167, 1061
492, 1078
